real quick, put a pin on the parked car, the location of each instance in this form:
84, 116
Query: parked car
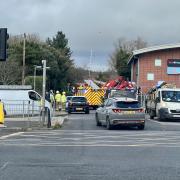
120, 111
78, 104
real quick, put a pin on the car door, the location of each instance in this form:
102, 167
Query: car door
100, 111
106, 110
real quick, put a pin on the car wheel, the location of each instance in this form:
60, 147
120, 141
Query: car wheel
108, 124
97, 121
141, 127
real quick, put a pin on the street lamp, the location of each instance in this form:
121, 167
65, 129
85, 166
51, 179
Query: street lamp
36, 67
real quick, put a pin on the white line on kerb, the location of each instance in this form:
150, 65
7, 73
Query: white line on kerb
11, 135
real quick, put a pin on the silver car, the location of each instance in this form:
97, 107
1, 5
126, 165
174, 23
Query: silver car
120, 111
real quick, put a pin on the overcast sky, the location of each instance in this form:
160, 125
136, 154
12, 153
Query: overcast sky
94, 24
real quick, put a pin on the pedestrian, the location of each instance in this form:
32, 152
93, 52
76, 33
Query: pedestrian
63, 100
58, 101
47, 96
1, 113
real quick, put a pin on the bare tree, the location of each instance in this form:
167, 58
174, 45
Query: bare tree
9, 72
127, 46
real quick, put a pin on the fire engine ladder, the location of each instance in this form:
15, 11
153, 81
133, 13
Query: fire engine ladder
92, 84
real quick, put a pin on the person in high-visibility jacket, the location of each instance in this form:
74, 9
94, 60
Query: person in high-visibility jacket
58, 100
63, 100
1, 113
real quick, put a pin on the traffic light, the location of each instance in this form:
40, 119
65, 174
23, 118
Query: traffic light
3, 43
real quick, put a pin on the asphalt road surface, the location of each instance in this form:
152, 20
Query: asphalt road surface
82, 151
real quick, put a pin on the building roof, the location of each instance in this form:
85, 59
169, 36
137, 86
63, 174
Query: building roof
151, 49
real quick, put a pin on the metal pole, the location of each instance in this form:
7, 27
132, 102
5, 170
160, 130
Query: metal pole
90, 61
24, 59
35, 78
44, 90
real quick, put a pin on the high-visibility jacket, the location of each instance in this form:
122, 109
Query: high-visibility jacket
58, 97
63, 98
1, 113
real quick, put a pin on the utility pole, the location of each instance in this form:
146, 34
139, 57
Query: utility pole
24, 63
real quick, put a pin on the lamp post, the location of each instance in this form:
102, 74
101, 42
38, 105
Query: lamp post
36, 67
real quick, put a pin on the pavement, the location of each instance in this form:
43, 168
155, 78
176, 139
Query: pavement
20, 124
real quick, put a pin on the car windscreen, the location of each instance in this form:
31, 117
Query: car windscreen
79, 99
125, 104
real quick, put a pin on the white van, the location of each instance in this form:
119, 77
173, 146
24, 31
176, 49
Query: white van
164, 103
20, 100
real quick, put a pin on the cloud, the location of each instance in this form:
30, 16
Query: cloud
94, 24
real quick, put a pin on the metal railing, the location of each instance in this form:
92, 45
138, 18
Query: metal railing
26, 111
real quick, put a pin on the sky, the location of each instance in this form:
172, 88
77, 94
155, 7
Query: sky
94, 25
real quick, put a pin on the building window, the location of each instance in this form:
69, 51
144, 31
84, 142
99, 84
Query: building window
157, 62
150, 76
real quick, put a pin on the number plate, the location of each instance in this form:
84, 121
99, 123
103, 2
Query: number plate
129, 112
79, 109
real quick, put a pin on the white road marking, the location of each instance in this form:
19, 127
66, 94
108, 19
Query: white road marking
11, 135
95, 138
4, 166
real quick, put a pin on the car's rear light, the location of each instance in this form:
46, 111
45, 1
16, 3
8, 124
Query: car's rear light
117, 110
141, 110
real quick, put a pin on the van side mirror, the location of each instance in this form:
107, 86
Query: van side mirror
157, 100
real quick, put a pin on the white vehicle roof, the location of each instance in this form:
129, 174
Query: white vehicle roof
169, 89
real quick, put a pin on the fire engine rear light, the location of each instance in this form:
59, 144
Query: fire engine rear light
117, 110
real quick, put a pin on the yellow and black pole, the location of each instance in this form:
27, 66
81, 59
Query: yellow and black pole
1, 113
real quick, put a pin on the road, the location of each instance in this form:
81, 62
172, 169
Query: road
82, 151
